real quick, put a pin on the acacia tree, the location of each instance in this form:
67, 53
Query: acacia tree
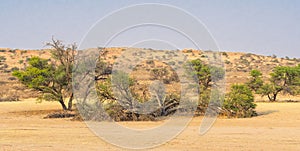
256, 81
206, 76
52, 79
283, 79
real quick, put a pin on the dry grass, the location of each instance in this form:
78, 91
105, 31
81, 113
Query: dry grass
23, 128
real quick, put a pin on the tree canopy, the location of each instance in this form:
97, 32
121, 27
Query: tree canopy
283, 79
53, 79
256, 81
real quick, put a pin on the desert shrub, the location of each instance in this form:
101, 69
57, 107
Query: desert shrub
239, 102
61, 114
12, 51
24, 51
150, 62
5, 66
2, 58
15, 69
9, 99
227, 62
166, 75
2, 50
189, 51
275, 60
12, 78
247, 55
21, 61
172, 63
225, 54
245, 61
8, 96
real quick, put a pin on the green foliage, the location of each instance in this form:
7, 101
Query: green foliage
256, 81
37, 75
206, 74
21, 61
104, 90
52, 80
239, 102
283, 79
2, 58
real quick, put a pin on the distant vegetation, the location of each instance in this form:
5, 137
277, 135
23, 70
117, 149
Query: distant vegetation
283, 79
53, 79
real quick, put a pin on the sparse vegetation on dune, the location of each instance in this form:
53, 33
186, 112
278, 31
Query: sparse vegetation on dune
54, 73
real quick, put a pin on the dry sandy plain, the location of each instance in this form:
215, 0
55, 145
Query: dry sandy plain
22, 127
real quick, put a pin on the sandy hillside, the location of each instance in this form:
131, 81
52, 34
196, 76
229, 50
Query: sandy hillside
237, 66
22, 127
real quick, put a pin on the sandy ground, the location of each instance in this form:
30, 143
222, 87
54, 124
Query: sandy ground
22, 127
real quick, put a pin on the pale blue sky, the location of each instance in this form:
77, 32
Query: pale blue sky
257, 26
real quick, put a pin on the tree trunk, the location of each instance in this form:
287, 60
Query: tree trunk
163, 111
274, 97
70, 103
63, 105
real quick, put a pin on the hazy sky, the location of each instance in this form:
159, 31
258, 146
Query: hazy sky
258, 26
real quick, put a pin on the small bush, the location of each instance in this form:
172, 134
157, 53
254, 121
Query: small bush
12, 78
15, 69
247, 55
2, 58
149, 62
239, 102
225, 54
275, 60
12, 51
203, 56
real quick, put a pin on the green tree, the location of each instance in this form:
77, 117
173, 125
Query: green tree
52, 79
256, 81
206, 76
239, 102
205, 73
283, 79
